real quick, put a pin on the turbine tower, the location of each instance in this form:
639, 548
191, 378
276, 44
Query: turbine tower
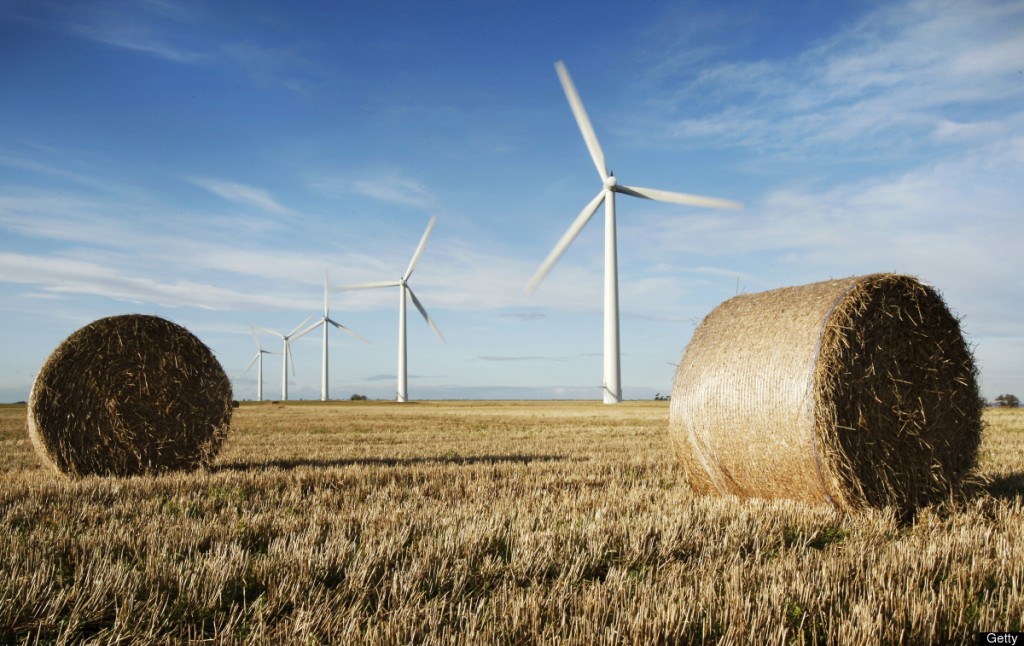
286, 352
612, 386
327, 321
402, 394
258, 359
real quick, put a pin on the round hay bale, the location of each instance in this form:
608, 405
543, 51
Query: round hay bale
127, 395
858, 392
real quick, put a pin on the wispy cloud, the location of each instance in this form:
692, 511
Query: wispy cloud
241, 194
178, 33
63, 216
394, 188
65, 275
890, 82
956, 223
930, 136
161, 254
23, 163
95, 220
139, 38
270, 65
136, 26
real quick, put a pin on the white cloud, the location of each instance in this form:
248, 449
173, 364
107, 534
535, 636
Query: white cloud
904, 136
241, 194
137, 26
64, 275
138, 38
395, 188
955, 223
22, 163
891, 81
269, 65
175, 32
217, 264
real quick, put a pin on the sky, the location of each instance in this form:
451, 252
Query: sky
209, 162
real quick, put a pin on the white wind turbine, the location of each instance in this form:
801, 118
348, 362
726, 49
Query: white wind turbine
258, 359
612, 386
403, 285
326, 321
286, 352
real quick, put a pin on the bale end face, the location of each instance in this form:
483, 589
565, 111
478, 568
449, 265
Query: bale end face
129, 395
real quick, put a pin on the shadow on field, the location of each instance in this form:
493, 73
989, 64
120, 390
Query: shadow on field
1007, 487
389, 462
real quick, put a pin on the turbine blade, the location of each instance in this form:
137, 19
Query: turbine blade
306, 320
678, 198
277, 334
325, 293
256, 338
566, 240
426, 317
306, 331
348, 330
248, 367
582, 120
374, 285
419, 249
288, 356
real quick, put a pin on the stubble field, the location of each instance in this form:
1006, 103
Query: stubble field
486, 522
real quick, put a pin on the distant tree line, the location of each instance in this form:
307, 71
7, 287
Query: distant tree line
1007, 401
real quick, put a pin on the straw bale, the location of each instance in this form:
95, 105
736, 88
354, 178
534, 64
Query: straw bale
859, 392
128, 395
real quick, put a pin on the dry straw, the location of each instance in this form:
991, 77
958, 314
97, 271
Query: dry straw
128, 395
858, 392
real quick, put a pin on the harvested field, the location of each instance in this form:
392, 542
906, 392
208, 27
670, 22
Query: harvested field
487, 522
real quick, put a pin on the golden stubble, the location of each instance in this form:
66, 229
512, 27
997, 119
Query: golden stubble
484, 522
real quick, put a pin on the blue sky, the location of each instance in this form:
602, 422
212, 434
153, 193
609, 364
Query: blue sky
208, 162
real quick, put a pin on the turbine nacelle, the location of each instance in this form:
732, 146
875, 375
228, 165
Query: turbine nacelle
610, 182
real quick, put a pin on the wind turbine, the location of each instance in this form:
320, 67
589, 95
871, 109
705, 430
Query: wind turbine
612, 386
286, 352
259, 360
403, 283
325, 321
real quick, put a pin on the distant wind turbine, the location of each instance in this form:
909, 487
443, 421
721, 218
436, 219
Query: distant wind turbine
403, 283
326, 321
612, 386
258, 359
286, 352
